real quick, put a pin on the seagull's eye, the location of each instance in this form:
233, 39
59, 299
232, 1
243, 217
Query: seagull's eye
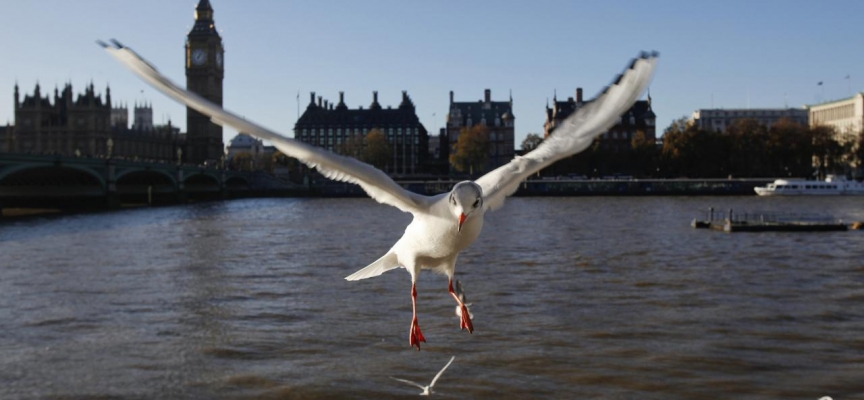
477, 203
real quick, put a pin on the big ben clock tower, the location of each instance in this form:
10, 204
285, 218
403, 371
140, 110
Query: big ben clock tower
204, 72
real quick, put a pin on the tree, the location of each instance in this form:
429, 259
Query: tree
858, 153
689, 151
264, 163
531, 142
279, 160
643, 155
789, 149
472, 149
749, 155
242, 161
351, 147
827, 151
376, 149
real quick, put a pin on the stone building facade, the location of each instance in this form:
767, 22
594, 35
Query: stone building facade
496, 116
720, 119
64, 126
83, 125
845, 115
639, 118
335, 127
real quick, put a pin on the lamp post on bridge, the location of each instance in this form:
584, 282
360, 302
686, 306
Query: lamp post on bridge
180, 196
111, 190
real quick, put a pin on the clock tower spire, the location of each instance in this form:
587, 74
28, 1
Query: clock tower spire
204, 73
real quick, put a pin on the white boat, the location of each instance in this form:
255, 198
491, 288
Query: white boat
830, 186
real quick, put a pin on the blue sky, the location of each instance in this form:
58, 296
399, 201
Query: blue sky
727, 54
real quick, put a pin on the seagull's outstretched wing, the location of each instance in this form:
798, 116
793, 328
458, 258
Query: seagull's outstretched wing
441, 372
574, 134
375, 182
411, 383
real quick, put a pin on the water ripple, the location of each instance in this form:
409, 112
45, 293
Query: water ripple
572, 297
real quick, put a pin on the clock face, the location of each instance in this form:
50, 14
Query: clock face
199, 56
219, 59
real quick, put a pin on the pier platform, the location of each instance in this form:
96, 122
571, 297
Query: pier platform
767, 222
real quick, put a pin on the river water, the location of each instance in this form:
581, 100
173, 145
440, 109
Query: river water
580, 297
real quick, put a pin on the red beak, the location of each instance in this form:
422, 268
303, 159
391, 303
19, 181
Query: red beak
461, 221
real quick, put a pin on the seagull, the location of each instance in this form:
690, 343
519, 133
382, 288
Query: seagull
427, 390
445, 224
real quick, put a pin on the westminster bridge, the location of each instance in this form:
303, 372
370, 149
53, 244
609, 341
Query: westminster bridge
50, 181
62, 182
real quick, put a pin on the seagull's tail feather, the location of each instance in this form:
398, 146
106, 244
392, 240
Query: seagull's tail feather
380, 266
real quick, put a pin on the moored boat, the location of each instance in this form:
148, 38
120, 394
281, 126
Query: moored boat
830, 186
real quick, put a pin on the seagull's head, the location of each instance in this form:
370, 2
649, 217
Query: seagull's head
465, 199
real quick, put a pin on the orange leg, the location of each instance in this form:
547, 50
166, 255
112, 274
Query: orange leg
414, 334
465, 323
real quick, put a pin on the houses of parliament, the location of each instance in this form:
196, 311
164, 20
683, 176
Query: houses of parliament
90, 124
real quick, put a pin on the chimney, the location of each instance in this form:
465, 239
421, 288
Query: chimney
579, 95
325, 104
375, 96
312, 98
17, 96
319, 101
488, 95
341, 97
451, 97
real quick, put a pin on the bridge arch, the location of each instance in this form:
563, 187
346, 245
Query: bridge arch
201, 179
40, 174
236, 182
146, 176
